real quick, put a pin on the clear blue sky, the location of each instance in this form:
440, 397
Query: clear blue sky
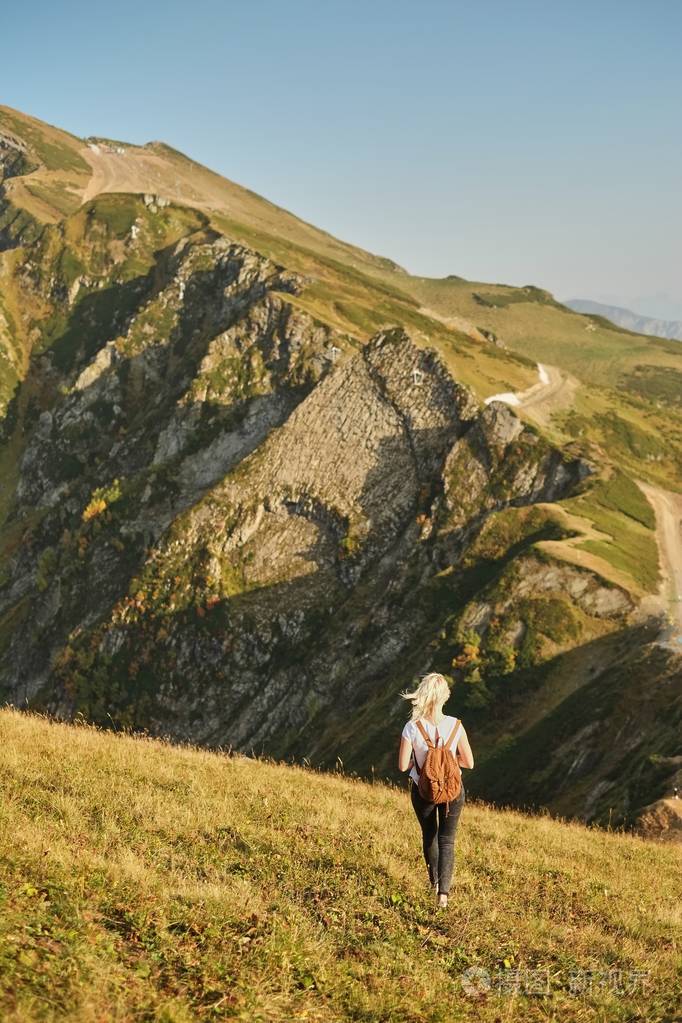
524, 141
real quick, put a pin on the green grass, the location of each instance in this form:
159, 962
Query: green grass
117, 212
56, 149
57, 196
620, 494
642, 436
501, 298
627, 559
655, 384
619, 509
353, 300
637, 443
530, 321
140, 881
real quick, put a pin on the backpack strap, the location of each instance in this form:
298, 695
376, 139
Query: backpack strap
453, 733
427, 738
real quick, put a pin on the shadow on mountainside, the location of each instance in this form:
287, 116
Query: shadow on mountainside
599, 754
278, 665
265, 632
288, 666
109, 428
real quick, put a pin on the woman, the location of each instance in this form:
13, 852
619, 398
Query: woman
438, 829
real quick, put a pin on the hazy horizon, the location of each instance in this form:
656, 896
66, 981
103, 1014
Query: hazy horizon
660, 307
539, 149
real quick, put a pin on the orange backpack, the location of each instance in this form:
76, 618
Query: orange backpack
440, 777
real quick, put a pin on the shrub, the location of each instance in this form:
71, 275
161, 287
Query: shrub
101, 498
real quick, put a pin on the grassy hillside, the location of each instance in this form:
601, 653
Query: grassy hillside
628, 398
591, 347
630, 388
150, 882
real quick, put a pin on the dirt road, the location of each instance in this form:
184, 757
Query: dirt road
668, 508
135, 171
554, 390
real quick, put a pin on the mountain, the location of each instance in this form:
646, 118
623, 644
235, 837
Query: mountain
671, 329
256, 480
187, 885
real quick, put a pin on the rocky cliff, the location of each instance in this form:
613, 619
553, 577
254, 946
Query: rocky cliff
227, 519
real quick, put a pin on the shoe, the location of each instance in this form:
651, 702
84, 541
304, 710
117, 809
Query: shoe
442, 901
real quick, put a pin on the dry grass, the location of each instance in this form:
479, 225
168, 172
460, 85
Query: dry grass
143, 881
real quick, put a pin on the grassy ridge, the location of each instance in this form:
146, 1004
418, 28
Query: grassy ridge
621, 513
57, 149
531, 321
148, 882
348, 297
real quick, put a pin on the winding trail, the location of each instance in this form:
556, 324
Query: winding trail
553, 390
668, 509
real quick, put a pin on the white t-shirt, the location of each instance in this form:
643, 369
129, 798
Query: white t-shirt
415, 737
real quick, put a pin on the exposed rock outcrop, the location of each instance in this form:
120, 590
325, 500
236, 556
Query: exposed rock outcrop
15, 156
232, 523
256, 609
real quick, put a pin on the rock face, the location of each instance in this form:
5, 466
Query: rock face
662, 820
229, 523
168, 412
16, 159
15, 156
237, 609
213, 320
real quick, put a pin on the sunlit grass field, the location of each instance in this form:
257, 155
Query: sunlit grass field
144, 881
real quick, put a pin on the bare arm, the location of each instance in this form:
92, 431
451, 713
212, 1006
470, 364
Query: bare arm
404, 754
465, 757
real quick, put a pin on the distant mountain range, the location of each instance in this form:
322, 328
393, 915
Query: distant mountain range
671, 329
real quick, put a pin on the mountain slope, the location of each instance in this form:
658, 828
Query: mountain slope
250, 488
643, 376
671, 329
630, 385
185, 885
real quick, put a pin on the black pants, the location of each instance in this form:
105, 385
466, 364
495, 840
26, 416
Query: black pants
438, 836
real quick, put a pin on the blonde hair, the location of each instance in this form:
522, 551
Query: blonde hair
432, 692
